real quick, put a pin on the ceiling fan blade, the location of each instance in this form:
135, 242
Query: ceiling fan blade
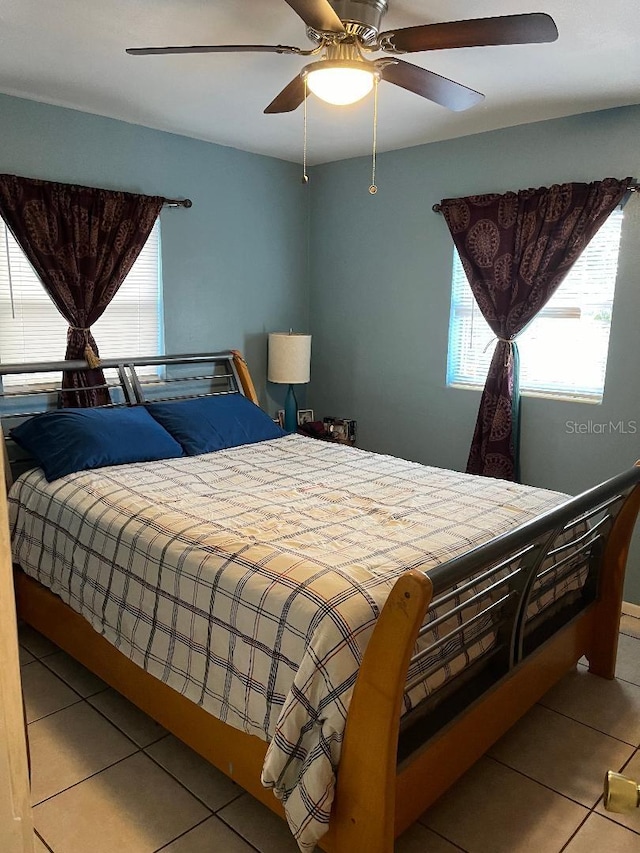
289, 98
531, 28
429, 85
317, 14
215, 48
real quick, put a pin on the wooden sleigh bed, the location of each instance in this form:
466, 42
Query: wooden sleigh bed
417, 756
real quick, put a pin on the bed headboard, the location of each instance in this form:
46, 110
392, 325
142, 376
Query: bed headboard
130, 382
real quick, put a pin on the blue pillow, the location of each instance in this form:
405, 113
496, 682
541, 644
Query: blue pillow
70, 440
213, 423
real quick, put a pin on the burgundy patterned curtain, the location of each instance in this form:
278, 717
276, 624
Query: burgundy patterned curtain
516, 249
81, 242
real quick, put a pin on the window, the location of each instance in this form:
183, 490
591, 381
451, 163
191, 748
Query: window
563, 351
32, 329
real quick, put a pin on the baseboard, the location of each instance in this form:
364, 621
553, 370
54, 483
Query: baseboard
631, 609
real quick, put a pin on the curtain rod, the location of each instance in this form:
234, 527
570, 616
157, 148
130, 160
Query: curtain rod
178, 202
632, 188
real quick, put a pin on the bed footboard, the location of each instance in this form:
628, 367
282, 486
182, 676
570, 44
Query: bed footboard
392, 770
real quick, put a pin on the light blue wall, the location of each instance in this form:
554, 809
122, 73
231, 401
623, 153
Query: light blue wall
381, 285
234, 265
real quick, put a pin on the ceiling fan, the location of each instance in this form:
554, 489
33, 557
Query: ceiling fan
343, 31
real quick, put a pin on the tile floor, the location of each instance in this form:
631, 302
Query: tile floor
108, 779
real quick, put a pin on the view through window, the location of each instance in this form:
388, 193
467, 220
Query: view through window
32, 328
563, 351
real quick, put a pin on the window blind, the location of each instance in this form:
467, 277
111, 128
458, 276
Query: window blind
32, 329
563, 351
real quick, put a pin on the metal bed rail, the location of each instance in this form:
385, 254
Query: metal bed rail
484, 596
133, 387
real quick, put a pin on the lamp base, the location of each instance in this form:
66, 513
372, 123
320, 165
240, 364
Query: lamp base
290, 411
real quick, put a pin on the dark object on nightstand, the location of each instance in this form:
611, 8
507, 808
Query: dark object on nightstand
331, 429
313, 429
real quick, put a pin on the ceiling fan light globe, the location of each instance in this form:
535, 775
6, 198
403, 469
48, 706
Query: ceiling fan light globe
340, 86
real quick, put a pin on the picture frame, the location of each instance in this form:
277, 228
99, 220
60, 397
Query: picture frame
305, 416
280, 418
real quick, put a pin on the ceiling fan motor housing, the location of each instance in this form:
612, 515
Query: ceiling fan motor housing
361, 18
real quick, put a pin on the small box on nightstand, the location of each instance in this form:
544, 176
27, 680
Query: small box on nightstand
340, 430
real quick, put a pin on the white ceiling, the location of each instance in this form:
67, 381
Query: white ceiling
71, 53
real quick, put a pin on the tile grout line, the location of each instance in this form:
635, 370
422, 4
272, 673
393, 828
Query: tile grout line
39, 657
626, 681
182, 834
118, 728
444, 837
576, 831
627, 634
615, 677
185, 786
55, 674
57, 711
617, 823
101, 714
543, 785
49, 848
80, 781
69, 685
235, 832
587, 725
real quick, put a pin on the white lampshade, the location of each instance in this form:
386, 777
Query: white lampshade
289, 358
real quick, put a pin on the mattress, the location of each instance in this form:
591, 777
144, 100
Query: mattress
250, 579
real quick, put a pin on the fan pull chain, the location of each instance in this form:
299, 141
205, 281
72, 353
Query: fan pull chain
305, 177
373, 189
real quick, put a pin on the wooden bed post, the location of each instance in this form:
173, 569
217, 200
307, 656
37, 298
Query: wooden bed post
604, 644
244, 376
364, 808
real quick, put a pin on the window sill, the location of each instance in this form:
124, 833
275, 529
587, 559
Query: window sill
542, 395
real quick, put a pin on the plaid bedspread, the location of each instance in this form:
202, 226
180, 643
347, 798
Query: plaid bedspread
250, 579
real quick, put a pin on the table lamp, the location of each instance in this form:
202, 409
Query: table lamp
289, 364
